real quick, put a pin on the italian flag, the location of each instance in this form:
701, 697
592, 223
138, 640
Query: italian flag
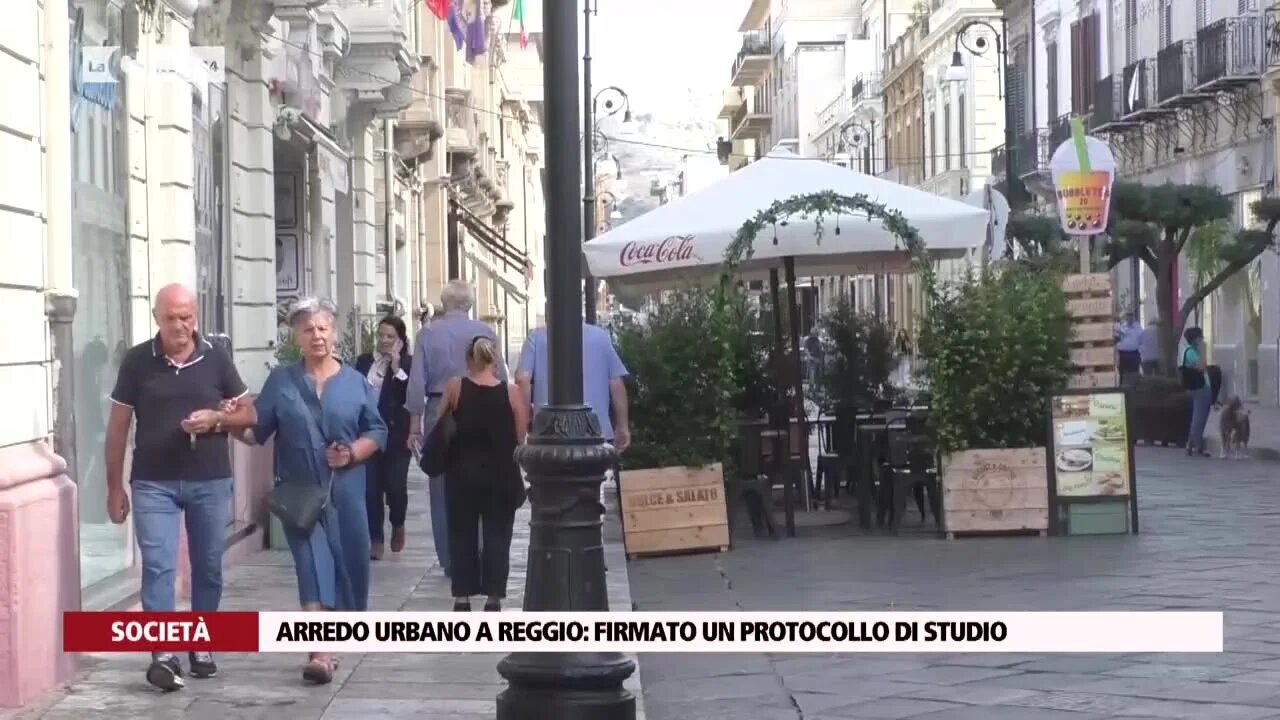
517, 14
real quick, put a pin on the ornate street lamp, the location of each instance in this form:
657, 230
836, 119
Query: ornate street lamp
854, 135
979, 45
566, 457
611, 201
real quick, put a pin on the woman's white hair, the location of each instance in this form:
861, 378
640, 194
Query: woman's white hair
457, 296
305, 307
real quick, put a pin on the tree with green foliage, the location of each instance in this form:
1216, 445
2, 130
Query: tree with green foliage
1158, 223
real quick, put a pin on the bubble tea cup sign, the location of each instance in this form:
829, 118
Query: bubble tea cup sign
1083, 169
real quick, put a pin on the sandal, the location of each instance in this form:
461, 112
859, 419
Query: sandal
319, 669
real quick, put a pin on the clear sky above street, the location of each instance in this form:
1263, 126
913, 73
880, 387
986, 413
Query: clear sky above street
660, 51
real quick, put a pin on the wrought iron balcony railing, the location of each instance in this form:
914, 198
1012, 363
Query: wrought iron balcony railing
867, 85
1106, 103
1175, 71
1271, 36
1059, 131
1138, 92
1032, 154
1229, 52
754, 43
998, 155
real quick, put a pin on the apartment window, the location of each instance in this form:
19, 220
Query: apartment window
946, 134
1051, 75
1018, 88
933, 144
1084, 56
1130, 32
962, 130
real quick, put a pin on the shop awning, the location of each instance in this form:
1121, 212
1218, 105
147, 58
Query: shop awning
511, 257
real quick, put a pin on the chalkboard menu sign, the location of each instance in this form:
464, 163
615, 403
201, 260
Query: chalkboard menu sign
1091, 474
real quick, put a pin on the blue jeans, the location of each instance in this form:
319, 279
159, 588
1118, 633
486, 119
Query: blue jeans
435, 492
439, 521
157, 507
1201, 400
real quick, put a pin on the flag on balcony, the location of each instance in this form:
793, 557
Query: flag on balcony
455, 26
517, 14
477, 36
440, 8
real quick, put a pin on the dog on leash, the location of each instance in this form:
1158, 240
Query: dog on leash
1233, 425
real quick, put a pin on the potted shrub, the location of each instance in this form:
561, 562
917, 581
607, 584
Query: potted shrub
861, 355
672, 483
1161, 410
996, 347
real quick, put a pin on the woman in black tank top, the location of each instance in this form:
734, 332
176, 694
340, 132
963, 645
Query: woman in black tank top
483, 487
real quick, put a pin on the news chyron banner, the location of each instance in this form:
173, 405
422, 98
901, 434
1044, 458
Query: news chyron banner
646, 632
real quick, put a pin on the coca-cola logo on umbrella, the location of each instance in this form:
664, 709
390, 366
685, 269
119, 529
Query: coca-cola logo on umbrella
673, 249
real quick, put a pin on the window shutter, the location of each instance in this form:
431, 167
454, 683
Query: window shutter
1051, 74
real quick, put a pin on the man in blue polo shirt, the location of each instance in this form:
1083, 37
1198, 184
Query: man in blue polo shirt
603, 388
174, 385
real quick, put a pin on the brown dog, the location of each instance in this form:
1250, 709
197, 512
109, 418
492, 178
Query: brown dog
1233, 426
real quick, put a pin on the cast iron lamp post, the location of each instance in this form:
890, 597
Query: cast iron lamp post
615, 99
566, 457
957, 72
853, 135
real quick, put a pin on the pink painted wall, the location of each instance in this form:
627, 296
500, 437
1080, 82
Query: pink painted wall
39, 571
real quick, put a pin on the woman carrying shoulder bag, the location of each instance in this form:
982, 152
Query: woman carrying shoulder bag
483, 487
324, 418
1196, 379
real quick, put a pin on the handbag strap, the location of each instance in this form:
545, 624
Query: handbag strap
312, 401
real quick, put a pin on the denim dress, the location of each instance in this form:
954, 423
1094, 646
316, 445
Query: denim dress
332, 564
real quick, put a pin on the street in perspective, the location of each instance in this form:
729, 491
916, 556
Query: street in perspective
525, 306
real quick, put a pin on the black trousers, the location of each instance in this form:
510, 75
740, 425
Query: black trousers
387, 483
481, 519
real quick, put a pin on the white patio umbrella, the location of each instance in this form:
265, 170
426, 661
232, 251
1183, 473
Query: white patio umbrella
684, 241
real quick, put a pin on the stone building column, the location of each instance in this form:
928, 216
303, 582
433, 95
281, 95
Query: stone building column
364, 233
39, 558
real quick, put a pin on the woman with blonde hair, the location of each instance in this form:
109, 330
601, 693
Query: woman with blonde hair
483, 487
325, 420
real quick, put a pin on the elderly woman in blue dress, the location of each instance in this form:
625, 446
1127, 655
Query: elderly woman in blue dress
333, 562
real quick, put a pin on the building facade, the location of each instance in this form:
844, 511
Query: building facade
288, 170
1182, 95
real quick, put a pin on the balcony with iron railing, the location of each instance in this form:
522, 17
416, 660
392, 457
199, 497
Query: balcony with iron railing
751, 119
1059, 131
1271, 37
1106, 104
1032, 152
1176, 74
1139, 92
1229, 53
999, 161
753, 59
865, 87
905, 50
835, 111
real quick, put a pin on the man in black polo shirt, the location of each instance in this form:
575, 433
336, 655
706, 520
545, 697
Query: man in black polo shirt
174, 384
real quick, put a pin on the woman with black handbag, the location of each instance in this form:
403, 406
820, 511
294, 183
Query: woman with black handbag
1195, 379
387, 372
482, 421
325, 421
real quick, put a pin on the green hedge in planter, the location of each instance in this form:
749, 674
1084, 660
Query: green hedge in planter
860, 358
674, 357
997, 348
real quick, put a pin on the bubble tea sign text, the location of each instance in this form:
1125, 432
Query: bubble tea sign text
1083, 169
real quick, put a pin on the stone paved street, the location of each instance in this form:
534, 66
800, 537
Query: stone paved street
269, 687
1210, 529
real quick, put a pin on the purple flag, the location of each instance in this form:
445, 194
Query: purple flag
476, 36
455, 25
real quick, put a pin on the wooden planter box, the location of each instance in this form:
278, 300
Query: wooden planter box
673, 510
995, 491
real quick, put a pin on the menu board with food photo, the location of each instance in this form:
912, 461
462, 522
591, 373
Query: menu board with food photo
1091, 445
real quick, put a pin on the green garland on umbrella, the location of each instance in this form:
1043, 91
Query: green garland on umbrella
817, 207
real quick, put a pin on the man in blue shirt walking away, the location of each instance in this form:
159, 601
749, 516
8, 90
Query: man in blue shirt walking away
440, 355
603, 389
